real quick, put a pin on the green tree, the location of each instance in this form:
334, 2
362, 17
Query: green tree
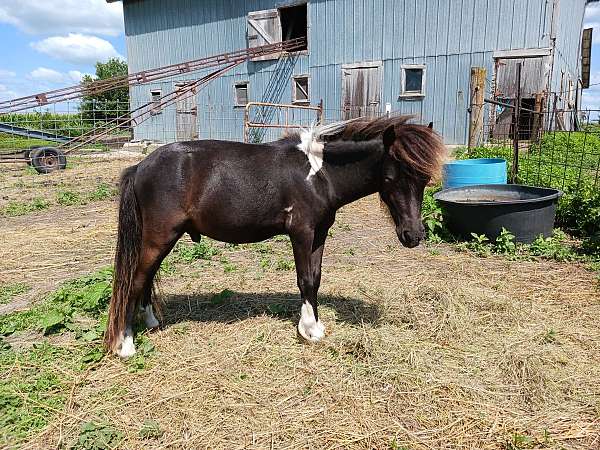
109, 104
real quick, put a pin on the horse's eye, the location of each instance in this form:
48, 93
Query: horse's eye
388, 179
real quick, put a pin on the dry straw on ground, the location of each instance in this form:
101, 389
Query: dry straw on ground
425, 349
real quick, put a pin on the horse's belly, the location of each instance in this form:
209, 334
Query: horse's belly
238, 227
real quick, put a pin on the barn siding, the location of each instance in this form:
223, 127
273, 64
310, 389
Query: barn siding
448, 36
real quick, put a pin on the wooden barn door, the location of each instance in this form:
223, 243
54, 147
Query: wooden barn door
186, 117
264, 28
361, 90
535, 75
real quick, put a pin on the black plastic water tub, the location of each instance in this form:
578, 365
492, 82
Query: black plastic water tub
525, 211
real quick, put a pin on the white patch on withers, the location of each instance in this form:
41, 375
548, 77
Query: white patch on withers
148, 316
126, 347
313, 149
312, 146
309, 328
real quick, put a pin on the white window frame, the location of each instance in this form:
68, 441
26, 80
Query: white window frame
155, 102
235, 93
295, 99
413, 94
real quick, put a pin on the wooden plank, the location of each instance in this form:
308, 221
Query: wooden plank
478, 75
521, 53
586, 55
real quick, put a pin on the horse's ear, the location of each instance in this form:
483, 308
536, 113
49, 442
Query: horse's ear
430, 126
389, 136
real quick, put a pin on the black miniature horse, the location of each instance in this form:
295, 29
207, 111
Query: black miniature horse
238, 193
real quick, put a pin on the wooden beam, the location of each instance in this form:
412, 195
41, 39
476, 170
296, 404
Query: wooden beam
476, 106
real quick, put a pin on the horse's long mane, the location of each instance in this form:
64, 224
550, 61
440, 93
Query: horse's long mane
417, 146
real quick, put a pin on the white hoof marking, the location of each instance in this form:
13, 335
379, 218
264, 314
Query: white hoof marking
309, 328
127, 348
148, 316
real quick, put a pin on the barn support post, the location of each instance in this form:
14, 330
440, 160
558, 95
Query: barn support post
516, 119
538, 117
478, 75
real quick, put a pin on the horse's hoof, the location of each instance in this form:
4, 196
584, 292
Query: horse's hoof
127, 348
311, 333
150, 320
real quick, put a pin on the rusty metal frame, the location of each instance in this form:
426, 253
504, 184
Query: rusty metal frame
286, 107
136, 116
146, 76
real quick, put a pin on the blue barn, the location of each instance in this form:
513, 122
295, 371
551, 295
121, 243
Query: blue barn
362, 57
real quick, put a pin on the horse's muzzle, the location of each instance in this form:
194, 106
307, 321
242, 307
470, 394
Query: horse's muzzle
411, 238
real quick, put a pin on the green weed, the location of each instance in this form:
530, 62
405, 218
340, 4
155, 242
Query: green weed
31, 389
505, 243
97, 436
284, 264
150, 430
102, 192
221, 297
263, 248
205, 249
229, 267
17, 208
9, 291
68, 198
85, 296
144, 350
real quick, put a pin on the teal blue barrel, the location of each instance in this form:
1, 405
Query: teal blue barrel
469, 172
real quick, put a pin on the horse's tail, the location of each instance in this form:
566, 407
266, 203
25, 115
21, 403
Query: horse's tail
127, 255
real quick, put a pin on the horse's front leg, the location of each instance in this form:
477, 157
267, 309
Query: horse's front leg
308, 252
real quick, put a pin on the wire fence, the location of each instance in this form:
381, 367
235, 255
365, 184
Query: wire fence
566, 158
544, 152
65, 124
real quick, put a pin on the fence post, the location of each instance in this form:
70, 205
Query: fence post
538, 117
476, 105
516, 116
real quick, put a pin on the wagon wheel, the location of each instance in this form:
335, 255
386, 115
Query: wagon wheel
27, 153
47, 159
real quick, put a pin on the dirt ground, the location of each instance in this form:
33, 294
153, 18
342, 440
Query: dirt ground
427, 348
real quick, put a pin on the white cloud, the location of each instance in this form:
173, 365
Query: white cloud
4, 74
63, 16
47, 75
592, 20
591, 95
76, 75
77, 48
6, 93
50, 76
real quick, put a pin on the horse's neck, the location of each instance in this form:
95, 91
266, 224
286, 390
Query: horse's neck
354, 178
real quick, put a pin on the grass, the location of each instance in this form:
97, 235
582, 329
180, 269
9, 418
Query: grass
21, 208
424, 347
11, 142
64, 197
9, 291
36, 387
35, 381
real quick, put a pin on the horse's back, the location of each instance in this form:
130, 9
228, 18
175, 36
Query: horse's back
223, 186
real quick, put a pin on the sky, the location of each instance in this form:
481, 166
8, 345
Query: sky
48, 44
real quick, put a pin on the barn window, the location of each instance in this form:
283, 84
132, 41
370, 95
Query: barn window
413, 80
301, 89
294, 23
155, 96
241, 93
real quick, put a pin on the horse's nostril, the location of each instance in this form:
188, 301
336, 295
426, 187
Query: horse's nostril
406, 236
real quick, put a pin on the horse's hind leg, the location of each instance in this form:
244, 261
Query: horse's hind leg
153, 252
146, 307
